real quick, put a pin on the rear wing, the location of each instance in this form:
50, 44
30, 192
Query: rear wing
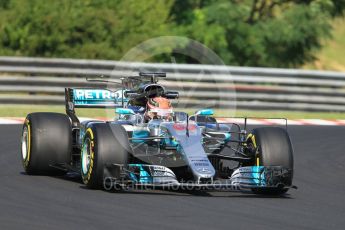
92, 98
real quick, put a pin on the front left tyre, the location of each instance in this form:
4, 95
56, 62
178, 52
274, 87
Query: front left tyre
46, 141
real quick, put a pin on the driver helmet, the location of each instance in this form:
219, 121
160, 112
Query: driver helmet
159, 108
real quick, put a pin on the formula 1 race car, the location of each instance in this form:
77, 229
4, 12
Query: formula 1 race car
150, 145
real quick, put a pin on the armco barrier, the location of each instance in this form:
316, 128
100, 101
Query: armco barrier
42, 80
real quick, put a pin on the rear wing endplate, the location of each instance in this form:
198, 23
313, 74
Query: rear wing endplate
92, 98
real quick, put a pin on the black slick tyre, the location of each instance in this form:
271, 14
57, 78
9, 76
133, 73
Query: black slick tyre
274, 149
46, 141
103, 144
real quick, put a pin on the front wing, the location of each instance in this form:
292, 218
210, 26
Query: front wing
160, 177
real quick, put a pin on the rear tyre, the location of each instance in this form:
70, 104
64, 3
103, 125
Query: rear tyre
103, 144
46, 141
274, 149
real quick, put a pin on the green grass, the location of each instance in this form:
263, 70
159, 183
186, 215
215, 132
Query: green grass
331, 56
23, 110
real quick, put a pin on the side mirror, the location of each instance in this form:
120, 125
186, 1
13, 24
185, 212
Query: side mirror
131, 93
205, 112
171, 95
124, 111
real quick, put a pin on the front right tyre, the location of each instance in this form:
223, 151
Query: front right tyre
46, 141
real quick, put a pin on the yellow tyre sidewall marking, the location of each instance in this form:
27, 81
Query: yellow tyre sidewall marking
28, 148
87, 177
257, 158
252, 138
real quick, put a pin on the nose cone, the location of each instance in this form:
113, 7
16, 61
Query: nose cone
204, 171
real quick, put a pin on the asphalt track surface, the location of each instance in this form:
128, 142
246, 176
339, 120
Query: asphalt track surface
39, 202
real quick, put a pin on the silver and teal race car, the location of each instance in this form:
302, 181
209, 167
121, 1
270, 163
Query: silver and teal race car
186, 152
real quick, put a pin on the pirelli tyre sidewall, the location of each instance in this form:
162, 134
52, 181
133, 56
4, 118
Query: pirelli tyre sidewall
274, 148
46, 141
104, 144
26, 144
